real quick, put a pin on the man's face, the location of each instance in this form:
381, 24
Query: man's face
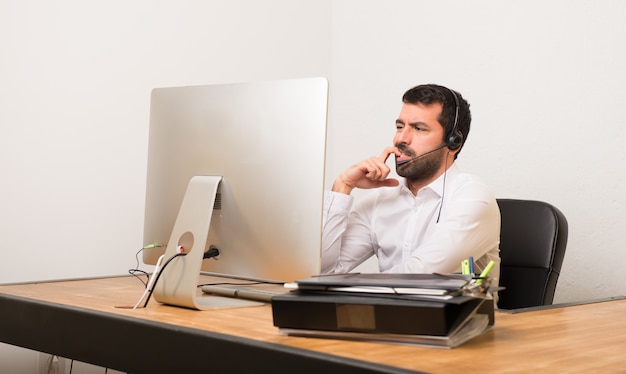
419, 137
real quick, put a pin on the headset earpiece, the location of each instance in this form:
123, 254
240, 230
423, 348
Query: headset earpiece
455, 140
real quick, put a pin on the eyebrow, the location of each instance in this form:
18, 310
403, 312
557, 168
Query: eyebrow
418, 123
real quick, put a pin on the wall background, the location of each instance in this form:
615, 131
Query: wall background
545, 84
544, 79
75, 90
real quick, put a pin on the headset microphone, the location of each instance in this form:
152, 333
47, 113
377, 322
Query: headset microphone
404, 162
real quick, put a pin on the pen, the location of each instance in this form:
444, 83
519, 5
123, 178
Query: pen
485, 272
465, 267
471, 265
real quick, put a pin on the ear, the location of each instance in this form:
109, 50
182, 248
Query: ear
453, 152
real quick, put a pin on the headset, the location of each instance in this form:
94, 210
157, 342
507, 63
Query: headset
455, 139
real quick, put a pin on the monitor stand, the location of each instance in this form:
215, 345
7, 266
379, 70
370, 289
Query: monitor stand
178, 283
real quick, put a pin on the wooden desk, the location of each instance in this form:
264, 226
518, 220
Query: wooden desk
79, 319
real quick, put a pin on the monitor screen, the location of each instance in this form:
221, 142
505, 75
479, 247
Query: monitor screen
265, 143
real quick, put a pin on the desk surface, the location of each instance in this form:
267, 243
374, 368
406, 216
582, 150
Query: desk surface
588, 337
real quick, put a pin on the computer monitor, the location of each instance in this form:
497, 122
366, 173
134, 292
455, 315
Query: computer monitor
239, 167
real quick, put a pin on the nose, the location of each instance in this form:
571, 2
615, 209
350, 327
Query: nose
403, 136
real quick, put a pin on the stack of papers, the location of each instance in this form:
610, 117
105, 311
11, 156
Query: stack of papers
431, 286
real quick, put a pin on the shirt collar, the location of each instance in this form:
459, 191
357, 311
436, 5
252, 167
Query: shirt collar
436, 186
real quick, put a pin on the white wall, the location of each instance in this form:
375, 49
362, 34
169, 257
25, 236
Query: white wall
75, 81
545, 81
546, 84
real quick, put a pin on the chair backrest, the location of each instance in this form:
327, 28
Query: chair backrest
533, 239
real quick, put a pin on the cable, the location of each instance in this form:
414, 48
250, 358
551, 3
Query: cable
136, 270
151, 282
158, 275
158, 270
155, 275
443, 190
212, 252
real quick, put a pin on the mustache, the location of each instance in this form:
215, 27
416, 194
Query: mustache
402, 147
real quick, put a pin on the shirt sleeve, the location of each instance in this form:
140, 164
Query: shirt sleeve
335, 219
348, 239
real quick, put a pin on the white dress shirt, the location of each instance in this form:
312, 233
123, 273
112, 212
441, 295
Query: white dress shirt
414, 234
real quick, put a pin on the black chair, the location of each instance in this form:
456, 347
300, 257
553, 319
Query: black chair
532, 246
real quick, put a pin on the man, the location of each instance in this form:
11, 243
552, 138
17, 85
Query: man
430, 220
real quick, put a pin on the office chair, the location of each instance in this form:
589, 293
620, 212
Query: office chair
533, 238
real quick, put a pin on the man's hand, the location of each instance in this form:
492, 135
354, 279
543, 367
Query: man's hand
369, 173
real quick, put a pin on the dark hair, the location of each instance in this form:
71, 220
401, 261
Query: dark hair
428, 94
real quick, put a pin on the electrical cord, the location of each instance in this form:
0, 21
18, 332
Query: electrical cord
136, 270
212, 252
158, 271
443, 189
151, 282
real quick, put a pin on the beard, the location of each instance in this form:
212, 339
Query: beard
421, 168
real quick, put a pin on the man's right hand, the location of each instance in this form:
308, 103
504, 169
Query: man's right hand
369, 173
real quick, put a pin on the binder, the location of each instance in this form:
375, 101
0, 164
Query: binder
315, 308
